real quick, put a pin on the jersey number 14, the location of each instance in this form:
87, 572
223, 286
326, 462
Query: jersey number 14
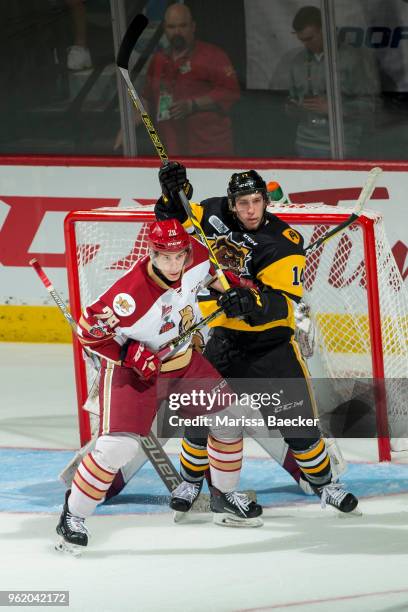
298, 275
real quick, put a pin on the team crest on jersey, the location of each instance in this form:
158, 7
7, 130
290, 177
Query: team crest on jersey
231, 255
291, 235
187, 320
99, 330
197, 341
166, 310
168, 324
124, 305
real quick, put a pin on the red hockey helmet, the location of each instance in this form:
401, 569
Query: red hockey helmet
169, 236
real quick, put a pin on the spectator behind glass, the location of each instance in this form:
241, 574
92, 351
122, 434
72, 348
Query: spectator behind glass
190, 89
359, 85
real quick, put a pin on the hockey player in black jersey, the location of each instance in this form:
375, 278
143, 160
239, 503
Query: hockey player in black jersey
254, 339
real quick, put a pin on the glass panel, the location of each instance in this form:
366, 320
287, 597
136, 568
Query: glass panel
193, 96
375, 34
59, 74
286, 77
256, 91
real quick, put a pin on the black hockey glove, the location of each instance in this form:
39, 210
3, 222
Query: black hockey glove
173, 177
238, 301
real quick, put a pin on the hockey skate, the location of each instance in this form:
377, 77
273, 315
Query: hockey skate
234, 509
334, 494
72, 531
183, 497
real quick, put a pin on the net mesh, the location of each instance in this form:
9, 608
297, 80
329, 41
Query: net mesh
105, 251
335, 288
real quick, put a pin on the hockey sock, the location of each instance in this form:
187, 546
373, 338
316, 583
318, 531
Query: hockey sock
91, 481
225, 457
314, 462
117, 485
193, 459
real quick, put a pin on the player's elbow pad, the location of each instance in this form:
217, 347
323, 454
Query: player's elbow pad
169, 209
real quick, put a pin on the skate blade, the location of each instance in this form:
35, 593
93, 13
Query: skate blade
343, 515
353, 514
179, 517
200, 508
71, 549
230, 520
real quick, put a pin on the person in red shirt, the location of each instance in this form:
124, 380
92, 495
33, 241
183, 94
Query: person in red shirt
190, 89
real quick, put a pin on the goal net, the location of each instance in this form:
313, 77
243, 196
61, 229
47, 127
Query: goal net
357, 298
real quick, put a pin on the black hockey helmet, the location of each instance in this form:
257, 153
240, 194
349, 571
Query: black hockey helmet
245, 183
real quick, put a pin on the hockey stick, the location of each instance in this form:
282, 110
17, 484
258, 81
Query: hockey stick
365, 195
133, 33
60, 303
171, 345
50, 288
151, 445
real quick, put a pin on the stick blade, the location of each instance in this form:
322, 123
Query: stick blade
132, 35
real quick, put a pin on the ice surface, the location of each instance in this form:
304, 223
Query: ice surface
303, 558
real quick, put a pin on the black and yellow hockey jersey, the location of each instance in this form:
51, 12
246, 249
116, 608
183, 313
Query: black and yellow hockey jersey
271, 256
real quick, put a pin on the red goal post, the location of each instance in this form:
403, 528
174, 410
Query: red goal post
352, 284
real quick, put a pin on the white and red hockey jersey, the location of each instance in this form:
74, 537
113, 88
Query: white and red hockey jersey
140, 306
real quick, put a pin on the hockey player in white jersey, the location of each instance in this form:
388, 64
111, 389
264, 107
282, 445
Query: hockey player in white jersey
126, 327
